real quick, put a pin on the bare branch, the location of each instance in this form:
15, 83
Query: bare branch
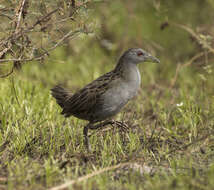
41, 20
4, 51
7, 16
70, 34
20, 11
56, 24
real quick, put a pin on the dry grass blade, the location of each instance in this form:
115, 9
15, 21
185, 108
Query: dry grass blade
176, 76
86, 177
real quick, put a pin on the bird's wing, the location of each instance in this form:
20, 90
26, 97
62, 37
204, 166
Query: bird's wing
83, 102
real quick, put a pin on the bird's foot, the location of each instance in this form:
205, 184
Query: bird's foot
124, 127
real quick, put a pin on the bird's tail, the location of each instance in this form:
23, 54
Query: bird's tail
61, 95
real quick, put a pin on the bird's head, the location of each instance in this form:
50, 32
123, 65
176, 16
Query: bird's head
137, 55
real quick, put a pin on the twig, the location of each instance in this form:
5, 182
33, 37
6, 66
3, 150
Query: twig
5, 50
4, 15
18, 33
6, 75
193, 59
41, 20
19, 16
86, 177
197, 37
68, 35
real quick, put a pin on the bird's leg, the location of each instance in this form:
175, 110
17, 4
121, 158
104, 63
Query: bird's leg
100, 125
120, 124
86, 138
93, 127
103, 124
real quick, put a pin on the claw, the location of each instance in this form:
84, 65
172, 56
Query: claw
124, 127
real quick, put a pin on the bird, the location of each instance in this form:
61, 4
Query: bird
104, 97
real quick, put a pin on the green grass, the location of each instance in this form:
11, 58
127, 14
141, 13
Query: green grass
169, 144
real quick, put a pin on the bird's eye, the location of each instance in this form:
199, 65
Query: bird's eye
139, 53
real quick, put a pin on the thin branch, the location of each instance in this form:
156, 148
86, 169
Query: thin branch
194, 58
18, 33
70, 34
41, 20
4, 15
6, 75
5, 50
195, 35
86, 177
19, 16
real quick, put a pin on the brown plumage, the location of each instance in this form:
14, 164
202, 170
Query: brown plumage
83, 103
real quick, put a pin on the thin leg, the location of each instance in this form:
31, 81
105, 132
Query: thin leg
103, 124
86, 138
92, 127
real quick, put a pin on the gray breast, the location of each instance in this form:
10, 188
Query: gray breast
118, 96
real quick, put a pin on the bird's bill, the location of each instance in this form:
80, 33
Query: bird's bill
153, 59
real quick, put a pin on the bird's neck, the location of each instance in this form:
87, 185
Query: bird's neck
128, 71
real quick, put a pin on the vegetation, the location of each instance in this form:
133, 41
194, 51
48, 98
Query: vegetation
170, 142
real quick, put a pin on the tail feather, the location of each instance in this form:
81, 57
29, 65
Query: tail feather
61, 95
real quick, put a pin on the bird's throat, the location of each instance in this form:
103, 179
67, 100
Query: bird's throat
130, 73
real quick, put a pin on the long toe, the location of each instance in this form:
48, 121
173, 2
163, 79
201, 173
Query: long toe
122, 125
